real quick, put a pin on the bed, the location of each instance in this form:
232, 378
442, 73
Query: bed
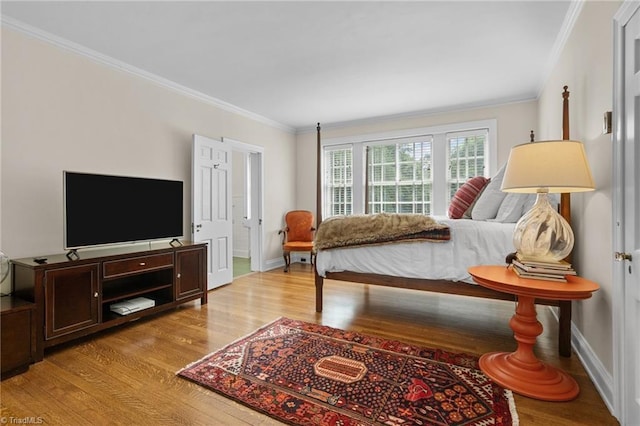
436, 266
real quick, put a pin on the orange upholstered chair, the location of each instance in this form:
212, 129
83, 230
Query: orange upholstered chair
297, 235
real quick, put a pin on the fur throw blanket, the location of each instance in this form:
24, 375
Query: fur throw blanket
343, 231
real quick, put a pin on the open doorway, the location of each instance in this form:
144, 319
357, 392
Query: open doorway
246, 207
241, 205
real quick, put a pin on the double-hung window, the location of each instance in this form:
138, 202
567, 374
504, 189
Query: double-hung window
466, 153
399, 176
411, 171
338, 181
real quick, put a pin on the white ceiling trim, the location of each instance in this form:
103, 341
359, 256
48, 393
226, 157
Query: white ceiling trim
79, 49
565, 31
421, 113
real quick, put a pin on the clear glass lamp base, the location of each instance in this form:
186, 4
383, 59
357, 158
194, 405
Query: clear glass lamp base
542, 234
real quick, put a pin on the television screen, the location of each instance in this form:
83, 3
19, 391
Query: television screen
102, 209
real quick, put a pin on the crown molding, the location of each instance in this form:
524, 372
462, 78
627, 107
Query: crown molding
575, 7
416, 114
106, 60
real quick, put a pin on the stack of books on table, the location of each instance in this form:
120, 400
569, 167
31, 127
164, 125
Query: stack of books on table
542, 270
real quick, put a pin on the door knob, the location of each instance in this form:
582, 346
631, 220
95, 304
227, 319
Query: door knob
620, 257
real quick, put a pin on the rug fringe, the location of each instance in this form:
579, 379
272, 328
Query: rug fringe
232, 343
515, 420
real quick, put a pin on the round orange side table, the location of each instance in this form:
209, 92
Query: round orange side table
521, 371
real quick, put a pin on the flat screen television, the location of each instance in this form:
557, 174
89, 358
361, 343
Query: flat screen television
104, 209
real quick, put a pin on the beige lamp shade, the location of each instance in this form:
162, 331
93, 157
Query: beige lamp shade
548, 166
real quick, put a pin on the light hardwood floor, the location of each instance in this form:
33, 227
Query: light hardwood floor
127, 375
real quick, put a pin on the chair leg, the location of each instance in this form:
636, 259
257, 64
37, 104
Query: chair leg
287, 260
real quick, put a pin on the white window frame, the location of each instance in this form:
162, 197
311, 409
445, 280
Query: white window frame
439, 157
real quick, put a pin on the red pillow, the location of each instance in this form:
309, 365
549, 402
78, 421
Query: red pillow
465, 195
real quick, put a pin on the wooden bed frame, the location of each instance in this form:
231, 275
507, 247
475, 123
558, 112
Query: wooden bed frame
451, 287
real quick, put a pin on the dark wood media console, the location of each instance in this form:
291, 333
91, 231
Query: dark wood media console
73, 297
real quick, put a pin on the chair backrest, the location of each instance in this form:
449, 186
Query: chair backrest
300, 224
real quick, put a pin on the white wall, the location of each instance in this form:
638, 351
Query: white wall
515, 121
63, 111
586, 66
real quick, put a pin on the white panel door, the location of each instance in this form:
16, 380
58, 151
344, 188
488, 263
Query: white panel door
631, 222
626, 210
211, 206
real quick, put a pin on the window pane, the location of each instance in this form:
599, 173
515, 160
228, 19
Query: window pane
406, 171
388, 194
389, 173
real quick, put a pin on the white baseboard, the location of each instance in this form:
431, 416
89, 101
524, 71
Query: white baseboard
599, 375
241, 253
279, 262
297, 258
601, 378
273, 264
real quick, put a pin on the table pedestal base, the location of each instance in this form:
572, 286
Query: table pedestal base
537, 380
521, 371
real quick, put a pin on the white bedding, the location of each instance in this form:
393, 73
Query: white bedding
472, 243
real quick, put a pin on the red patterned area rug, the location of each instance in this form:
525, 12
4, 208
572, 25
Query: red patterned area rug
309, 374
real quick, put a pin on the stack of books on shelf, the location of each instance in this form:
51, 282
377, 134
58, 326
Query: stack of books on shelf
542, 270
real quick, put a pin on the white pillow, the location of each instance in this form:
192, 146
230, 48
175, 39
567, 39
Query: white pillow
489, 201
512, 208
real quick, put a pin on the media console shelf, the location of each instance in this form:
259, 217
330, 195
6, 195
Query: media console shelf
73, 296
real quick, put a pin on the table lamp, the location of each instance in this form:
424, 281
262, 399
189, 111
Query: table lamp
546, 167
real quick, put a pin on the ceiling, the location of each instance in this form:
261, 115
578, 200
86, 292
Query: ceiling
295, 63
